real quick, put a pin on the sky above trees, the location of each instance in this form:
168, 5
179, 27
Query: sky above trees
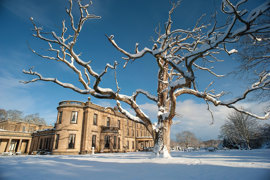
130, 22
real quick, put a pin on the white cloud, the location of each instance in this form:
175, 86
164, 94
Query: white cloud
196, 118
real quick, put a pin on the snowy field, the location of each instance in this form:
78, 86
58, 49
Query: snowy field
229, 165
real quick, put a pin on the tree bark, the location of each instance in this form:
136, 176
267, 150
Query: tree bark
162, 139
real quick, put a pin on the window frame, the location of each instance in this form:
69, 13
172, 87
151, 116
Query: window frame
107, 142
76, 117
94, 140
72, 137
108, 122
95, 119
119, 143
57, 141
119, 124
60, 116
114, 142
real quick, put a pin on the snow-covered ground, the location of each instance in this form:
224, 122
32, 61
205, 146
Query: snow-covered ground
229, 165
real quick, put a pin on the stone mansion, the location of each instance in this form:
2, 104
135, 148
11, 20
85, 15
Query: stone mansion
79, 129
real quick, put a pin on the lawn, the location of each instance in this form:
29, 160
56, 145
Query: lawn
233, 164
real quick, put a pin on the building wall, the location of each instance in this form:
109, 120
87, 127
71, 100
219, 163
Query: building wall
16, 137
65, 128
76, 132
15, 142
120, 131
42, 141
22, 126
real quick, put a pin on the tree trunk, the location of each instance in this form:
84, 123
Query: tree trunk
162, 139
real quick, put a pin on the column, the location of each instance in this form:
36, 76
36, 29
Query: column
28, 146
19, 146
8, 144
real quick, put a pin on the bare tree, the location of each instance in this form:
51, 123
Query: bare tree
34, 118
14, 115
187, 138
3, 114
179, 53
240, 129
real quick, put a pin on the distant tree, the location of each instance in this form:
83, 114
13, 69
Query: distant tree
178, 53
34, 118
240, 129
211, 143
3, 114
15, 115
187, 138
265, 135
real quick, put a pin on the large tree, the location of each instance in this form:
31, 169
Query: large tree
179, 54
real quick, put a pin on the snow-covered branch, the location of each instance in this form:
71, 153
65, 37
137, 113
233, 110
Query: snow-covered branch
263, 82
147, 94
54, 80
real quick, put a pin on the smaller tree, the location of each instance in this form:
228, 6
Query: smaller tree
239, 129
187, 139
34, 118
15, 115
265, 135
3, 114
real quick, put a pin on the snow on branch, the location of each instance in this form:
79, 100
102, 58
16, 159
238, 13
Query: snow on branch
126, 113
146, 93
207, 69
261, 84
54, 80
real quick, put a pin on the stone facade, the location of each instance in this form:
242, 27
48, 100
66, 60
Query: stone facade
16, 137
81, 128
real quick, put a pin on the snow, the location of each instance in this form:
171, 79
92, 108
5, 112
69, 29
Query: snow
126, 113
196, 165
233, 51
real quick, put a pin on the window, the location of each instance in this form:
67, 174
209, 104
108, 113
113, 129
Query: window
114, 142
31, 129
119, 124
71, 141
127, 132
107, 142
74, 117
60, 117
23, 128
132, 144
94, 141
127, 122
95, 119
108, 122
127, 144
40, 143
132, 132
48, 143
118, 143
13, 145
56, 141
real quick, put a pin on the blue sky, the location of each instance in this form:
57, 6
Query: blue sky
130, 22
